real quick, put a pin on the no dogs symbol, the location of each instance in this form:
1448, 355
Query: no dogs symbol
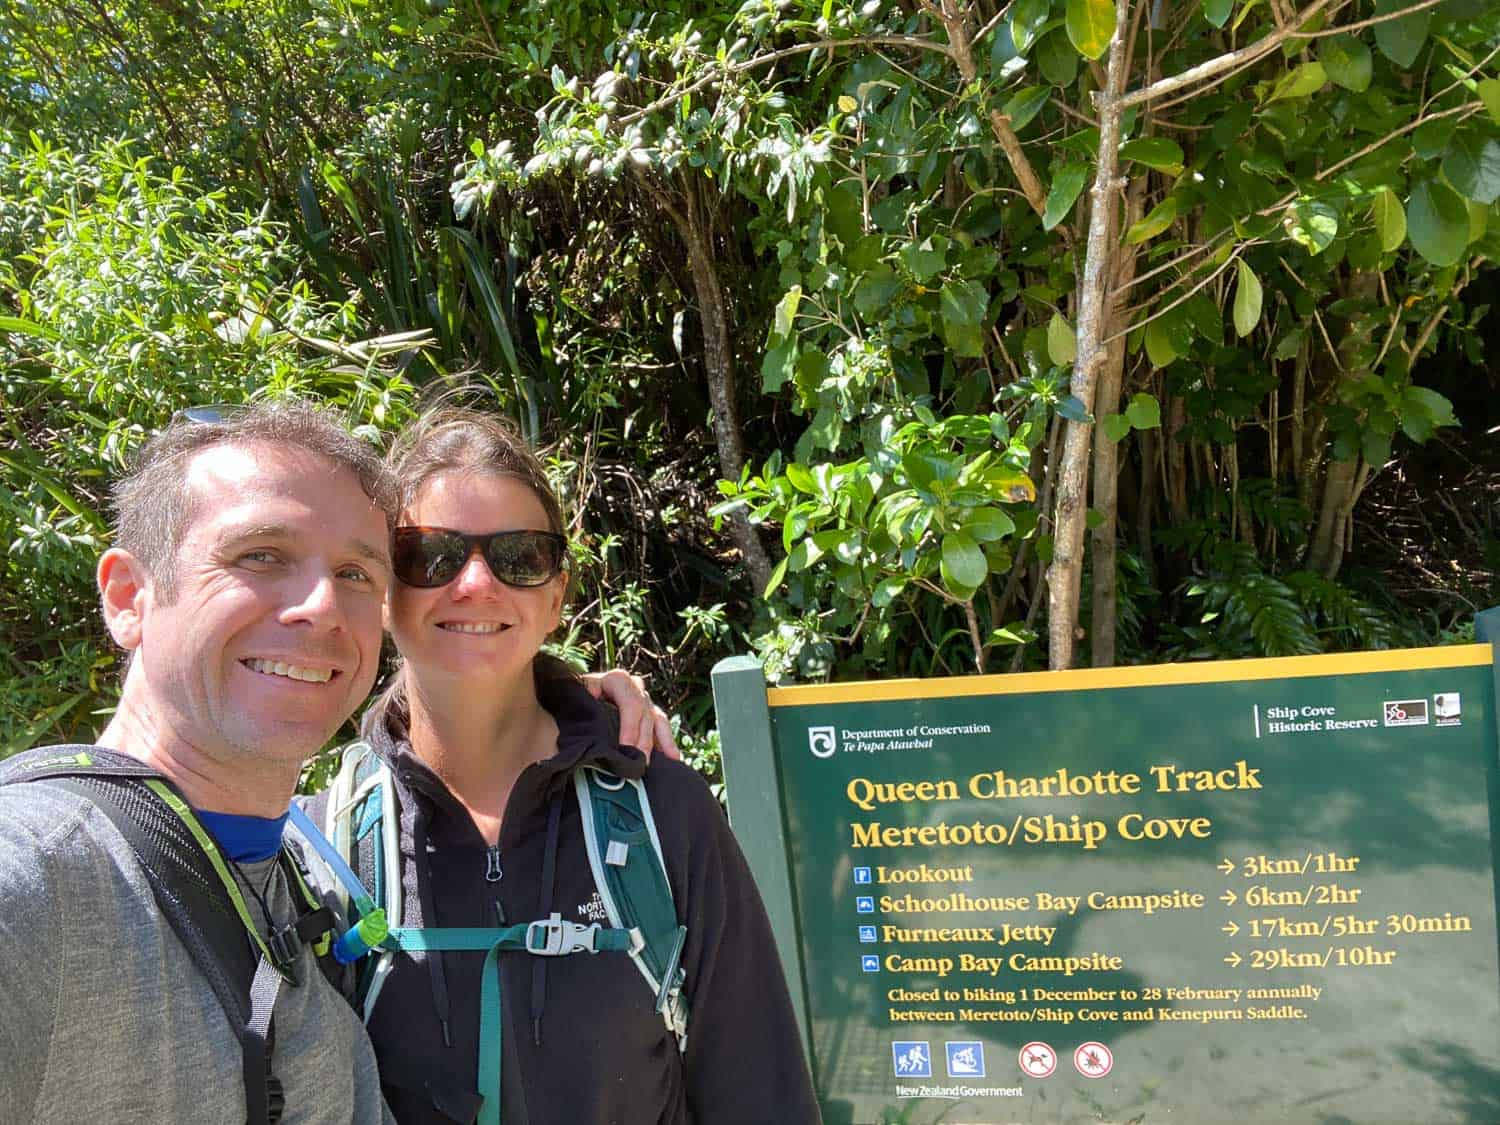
1038, 1060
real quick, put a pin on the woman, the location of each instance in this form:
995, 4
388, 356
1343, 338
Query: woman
483, 735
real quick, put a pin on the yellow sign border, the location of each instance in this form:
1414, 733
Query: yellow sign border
1149, 675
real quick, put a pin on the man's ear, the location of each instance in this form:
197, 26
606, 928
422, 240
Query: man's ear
123, 593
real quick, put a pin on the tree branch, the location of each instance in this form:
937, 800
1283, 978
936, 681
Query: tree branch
1203, 72
914, 42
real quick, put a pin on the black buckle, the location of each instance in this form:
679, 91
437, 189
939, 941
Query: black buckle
285, 946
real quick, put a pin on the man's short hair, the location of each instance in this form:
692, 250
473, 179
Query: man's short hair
152, 504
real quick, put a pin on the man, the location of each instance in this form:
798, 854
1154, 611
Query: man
247, 580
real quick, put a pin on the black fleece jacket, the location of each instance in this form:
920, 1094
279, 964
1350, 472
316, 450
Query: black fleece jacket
581, 1041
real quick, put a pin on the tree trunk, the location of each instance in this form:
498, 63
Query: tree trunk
1105, 603
1327, 551
718, 364
1064, 577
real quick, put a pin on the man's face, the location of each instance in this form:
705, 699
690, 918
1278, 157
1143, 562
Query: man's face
274, 636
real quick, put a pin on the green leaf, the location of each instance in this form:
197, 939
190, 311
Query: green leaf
1161, 217
786, 310
23, 327
1489, 93
1301, 82
1401, 40
1057, 59
964, 567
801, 478
1472, 165
1347, 61
778, 576
1439, 222
1159, 346
1114, 426
1479, 220
986, 525
1247, 299
1312, 224
1066, 185
1062, 341
1390, 219
1144, 412
1217, 12
1161, 153
1071, 408
1024, 105
1091, 25
1434, 408
923, 259
779, 365
963, 305
1026, 17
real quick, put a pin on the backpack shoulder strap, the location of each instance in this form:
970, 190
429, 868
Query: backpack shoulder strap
631, 876
188, 892
362, 820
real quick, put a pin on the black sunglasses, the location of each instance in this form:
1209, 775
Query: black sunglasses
428, 557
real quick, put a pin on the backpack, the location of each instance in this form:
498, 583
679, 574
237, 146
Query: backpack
358, 844
197, 895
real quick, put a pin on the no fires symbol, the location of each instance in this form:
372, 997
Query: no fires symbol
1093, 1060
1038, 1060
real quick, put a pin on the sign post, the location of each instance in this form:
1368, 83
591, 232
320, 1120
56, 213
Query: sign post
1249, 891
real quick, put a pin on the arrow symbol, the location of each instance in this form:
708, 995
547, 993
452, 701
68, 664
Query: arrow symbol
1233, 960
1230, 928
1227, 867
1228, 898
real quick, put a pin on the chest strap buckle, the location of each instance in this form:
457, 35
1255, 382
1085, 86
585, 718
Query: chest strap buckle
553, 937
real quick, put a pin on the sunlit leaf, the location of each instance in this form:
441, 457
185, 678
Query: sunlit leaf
1247, 300
1390, 219
1091, 25
963, 564
1062, 342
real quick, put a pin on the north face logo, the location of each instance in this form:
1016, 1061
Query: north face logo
593, 910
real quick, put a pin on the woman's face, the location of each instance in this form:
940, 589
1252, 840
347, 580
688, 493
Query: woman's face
476, 627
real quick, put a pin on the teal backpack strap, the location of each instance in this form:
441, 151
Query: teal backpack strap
631, 877
548, 937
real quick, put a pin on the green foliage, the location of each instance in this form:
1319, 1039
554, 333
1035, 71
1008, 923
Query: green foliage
131, 294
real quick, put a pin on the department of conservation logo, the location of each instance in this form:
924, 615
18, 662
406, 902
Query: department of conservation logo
1405, 712
822, 741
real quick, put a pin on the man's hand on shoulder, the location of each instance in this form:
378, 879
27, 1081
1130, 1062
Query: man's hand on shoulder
643, 724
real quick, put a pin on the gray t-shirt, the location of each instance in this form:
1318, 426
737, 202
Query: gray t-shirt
105, 1017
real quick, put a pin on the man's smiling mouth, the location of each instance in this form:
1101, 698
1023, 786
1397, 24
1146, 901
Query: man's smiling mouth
478, 627
290, 671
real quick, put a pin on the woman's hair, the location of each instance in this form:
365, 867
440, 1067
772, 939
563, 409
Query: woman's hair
458, 440
453, 439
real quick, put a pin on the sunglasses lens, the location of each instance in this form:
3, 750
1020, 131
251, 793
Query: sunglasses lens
427, 558
525, 558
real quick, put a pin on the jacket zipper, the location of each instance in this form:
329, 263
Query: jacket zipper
492, 872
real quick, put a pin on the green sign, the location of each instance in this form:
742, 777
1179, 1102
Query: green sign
1257, 891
